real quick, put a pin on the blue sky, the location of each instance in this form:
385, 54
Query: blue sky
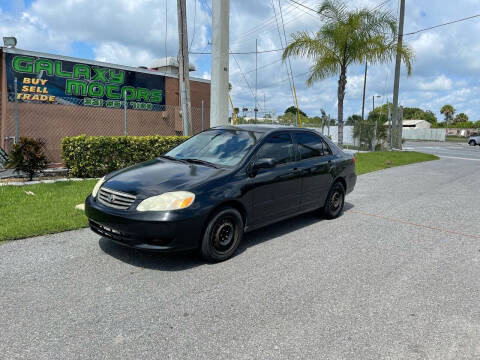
446, 67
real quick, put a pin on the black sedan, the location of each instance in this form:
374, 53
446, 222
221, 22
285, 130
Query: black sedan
225, 181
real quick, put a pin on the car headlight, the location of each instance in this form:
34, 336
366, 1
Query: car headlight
175, 200
97, 186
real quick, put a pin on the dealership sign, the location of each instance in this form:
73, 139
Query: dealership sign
47, 80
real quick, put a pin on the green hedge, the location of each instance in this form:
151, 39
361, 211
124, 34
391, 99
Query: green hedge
95, 156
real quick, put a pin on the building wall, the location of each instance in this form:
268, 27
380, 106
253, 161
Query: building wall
51, 123
198, 91
3, 100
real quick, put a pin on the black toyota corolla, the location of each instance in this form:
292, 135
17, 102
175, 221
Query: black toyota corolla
209, 190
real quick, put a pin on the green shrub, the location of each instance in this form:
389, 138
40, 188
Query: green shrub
95, 156
27, 157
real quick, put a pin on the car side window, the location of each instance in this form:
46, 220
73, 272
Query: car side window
310, 146
326, 148
279, 147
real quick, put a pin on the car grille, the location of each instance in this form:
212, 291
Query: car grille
115, 199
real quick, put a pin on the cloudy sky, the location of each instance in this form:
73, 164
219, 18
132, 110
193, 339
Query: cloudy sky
133, 32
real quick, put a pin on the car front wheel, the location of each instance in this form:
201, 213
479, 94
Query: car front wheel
222, 235
335, 201
472, 143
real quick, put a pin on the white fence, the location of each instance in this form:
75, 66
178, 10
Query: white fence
407, 133
332, 131
424, 134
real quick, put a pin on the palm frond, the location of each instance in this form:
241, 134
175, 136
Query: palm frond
323, 68
307, 46
333, 10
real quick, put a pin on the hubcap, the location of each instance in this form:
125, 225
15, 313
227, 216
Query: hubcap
223, 234
336, 201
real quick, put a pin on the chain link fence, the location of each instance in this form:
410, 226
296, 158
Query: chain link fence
51, 122
364, 136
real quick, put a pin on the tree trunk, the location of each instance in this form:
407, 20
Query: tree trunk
342, 83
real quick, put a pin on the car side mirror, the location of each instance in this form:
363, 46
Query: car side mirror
264, 163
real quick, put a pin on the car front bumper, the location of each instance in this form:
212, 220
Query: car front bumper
154, 231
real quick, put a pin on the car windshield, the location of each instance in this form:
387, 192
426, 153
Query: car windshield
217, 146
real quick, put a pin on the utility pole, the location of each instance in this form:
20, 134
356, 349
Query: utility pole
396, 84
256, 78
364, 88
184, 67
400, 127
219, 62
125, 124
390, 124
15, 112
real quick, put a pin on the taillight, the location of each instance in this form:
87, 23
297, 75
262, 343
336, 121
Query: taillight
353, 159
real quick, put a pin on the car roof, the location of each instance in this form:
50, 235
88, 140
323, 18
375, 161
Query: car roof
264, 128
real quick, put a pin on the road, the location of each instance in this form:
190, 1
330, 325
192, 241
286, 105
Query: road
446, 149
397, 277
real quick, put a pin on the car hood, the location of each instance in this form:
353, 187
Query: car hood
157, 176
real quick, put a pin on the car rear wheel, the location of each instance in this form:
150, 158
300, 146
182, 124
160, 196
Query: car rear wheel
222, 235
335, 201
472, 143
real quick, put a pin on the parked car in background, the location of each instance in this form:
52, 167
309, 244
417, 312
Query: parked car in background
474, 139
209, 190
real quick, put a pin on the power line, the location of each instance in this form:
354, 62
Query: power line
194, 25
444, 24
281, 44
241, 53
290, 9
265, 23
305, 6
380, 5
264, 66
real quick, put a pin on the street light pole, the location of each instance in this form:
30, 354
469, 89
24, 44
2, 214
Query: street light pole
364, 87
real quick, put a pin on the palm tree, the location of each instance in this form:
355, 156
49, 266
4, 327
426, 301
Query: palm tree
346, 38
448, 111
462, 117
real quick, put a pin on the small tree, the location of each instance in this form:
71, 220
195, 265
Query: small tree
353, 119
460, 118
27, 157
293, 110
447, 111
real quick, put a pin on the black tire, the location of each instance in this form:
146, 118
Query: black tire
335, 201
222, 235
472, 143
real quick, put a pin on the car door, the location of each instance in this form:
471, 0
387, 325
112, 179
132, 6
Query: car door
276, 191
315, 165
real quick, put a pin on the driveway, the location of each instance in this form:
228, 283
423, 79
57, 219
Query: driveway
449, 150
397, 277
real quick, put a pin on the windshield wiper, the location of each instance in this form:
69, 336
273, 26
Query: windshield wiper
172, 158
202, 162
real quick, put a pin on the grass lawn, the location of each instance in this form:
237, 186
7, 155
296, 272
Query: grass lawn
461, 139
50, 210
373, 161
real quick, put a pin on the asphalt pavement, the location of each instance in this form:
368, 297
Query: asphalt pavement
397, 276
454, 150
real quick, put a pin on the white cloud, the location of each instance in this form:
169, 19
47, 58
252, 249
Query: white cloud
439, 83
